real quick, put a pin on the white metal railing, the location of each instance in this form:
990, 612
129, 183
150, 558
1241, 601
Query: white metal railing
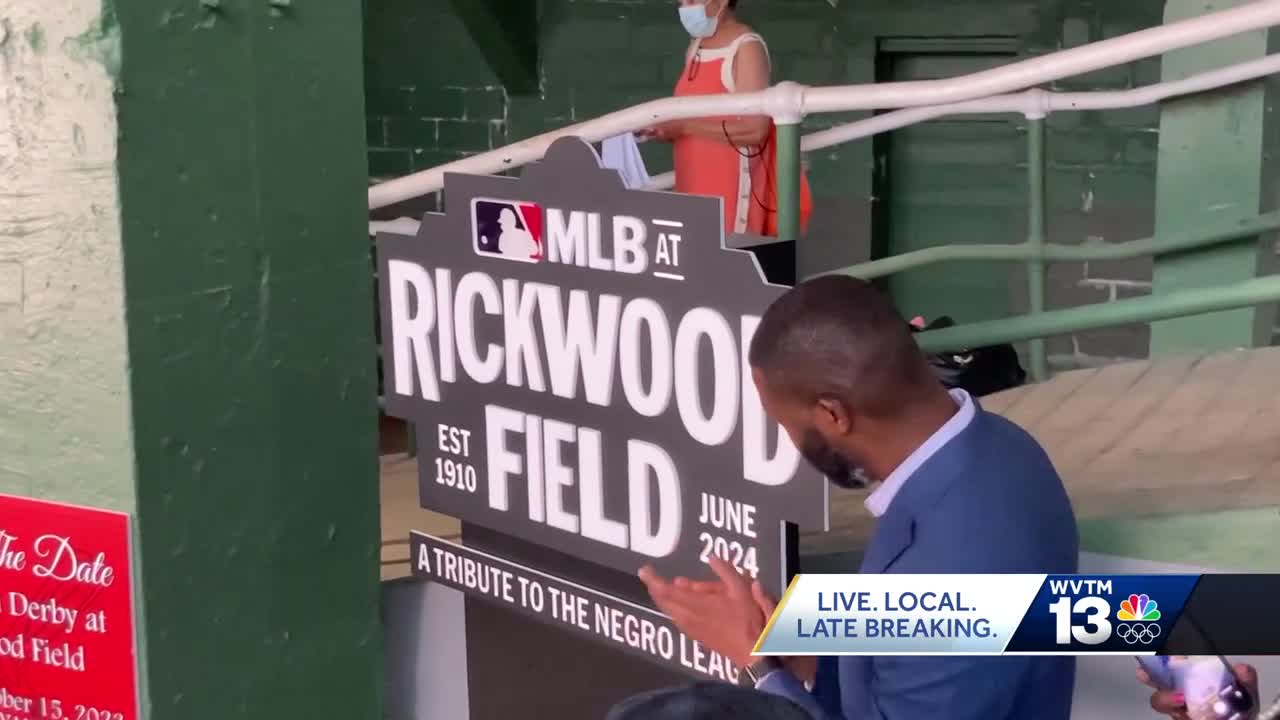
1032, 104
787, 102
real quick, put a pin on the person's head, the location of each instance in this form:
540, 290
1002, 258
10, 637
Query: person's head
506, 219
702, 17
707, 701
836, 366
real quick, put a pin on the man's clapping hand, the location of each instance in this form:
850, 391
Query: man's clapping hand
726, 615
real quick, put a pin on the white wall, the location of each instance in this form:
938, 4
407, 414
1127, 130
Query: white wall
64, 414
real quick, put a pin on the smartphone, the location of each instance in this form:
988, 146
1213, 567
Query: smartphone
1157, 668
1209, 683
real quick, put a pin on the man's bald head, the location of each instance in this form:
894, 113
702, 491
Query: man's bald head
839, 337
836, 366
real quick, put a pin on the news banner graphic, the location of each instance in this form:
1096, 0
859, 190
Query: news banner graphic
1024, 615
573, 355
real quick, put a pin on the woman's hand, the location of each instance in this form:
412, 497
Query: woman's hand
667, 131
1173, 704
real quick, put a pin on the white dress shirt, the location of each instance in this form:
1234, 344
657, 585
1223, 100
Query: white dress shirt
878, 501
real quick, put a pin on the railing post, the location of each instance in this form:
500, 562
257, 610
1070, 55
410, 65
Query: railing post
1036, 237
788, 165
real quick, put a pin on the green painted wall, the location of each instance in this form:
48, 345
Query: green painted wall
1242, 540
242, 169
64, 417
185, 332
432, 98
1212, 166
428, 105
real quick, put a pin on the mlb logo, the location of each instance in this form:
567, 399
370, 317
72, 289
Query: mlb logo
508, 229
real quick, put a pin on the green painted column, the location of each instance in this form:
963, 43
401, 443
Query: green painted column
1209, 170
186, 333
788, 164
1036, 231
247, 295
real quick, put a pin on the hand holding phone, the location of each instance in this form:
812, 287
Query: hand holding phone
1200, 688
1154, 671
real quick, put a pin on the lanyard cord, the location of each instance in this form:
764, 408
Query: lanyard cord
760, 153
695, 62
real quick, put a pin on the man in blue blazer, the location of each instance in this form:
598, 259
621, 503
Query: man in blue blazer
958, 490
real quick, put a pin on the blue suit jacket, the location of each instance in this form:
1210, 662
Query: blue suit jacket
989, 501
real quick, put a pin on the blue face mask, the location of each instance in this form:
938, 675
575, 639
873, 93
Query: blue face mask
695, 20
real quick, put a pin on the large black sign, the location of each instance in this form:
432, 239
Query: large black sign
574, 357
582, 610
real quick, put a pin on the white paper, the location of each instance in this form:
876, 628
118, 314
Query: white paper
622, 153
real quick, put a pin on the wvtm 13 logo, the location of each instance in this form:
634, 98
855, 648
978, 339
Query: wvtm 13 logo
1136, 620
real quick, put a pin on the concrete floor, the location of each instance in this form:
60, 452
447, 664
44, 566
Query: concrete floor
401, 513
1135, 441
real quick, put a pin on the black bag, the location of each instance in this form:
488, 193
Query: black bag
980, 371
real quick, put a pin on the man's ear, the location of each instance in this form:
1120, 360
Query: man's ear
832, 417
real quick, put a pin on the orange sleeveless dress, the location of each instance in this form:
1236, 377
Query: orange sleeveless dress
743, 177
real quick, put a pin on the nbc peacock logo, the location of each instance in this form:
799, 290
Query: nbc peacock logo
1139, 616
1139, 608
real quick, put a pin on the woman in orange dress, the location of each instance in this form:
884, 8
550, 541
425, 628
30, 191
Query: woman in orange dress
731, 158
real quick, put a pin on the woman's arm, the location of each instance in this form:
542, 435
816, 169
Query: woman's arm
750, 74
741, 131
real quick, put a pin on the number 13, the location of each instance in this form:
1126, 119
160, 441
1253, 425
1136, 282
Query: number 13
1095, 610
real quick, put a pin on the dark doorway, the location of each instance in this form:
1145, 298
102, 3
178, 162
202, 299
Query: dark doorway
950, 181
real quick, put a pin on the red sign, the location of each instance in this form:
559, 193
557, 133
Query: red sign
66, 613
